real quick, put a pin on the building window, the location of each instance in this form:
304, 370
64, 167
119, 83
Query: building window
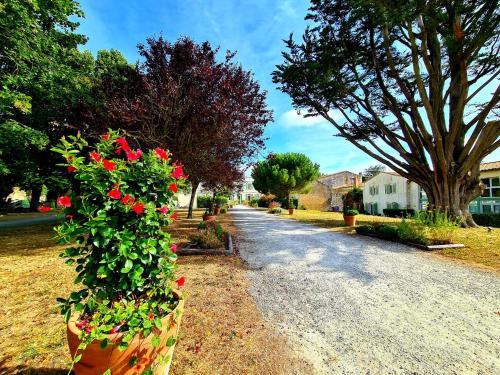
492, 187
374, 190
390, 188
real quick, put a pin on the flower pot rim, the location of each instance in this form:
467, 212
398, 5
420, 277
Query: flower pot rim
114, 337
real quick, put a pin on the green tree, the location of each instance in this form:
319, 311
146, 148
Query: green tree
44, 77
415, 82
284, 174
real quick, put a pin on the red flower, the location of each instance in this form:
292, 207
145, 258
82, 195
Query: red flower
123, 144
128, 199
174, 216
95, 156
115, 194
180, 281
71, 168
138, 208
109, 165
115, 329
173, 248
161, 153
69, 217
151, 316
105, 137
118, 151
64, 201
173, 187
178, 172
44, 209
162, 210
134, 155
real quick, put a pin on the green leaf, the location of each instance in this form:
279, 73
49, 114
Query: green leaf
133, 361
128, 266
171, 341
155, 341
157, 322
107, 372
77, 358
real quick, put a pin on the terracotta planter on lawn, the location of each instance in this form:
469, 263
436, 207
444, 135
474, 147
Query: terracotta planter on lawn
216, 210
350, 221
207, 217
290, 211
96, 360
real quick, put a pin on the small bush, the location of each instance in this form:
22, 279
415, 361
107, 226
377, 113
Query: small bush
487, 219
365, 229
221, 200
412, 232
275, 210
389, 232
265, 199
284, 202
207, 240
397, 212
274, 204
351, 212
223, 210
204, 201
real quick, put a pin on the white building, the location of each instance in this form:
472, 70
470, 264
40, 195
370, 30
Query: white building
390, 190
247, 191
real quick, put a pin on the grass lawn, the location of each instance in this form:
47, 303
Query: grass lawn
482, 247
222, 331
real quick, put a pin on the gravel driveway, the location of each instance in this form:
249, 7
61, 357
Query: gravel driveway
356, 305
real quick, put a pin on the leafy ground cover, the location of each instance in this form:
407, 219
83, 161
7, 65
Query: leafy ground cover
222, 330
482, 246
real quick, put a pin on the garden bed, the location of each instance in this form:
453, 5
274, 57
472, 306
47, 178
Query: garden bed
417, 245
194, 250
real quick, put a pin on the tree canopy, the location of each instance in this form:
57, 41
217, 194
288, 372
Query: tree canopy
284, 174
211, 115
416, 83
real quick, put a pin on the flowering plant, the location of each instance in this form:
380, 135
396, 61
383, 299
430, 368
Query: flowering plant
124, 261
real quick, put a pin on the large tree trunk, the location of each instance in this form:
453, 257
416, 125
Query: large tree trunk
35, 198
453, 197
194, 187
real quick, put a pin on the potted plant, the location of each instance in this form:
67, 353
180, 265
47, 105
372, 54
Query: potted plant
350, 217
291, 206
124, 316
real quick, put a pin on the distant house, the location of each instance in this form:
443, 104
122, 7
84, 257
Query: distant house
390, 190
247, 192
326, 192
489, 201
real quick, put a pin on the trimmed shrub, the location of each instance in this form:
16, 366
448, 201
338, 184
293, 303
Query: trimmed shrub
398, 212
264, 200
204, 201
389, 232
487, 219
365, 229
284, 202
275, 210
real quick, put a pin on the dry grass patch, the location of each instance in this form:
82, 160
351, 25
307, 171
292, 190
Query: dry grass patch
482, 246
222, 330
25, 215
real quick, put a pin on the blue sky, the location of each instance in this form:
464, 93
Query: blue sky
253, 28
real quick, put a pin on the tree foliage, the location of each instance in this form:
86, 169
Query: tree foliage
284, 174
416, 83
210, 114
43, 77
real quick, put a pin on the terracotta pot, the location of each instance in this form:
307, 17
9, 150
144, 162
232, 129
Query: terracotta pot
207, 217
216, 210
350, 221
96, 360
290, 211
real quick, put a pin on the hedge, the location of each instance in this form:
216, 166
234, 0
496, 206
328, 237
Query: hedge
487, 220
398, 212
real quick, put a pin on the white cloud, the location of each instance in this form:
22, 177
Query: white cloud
293, 119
